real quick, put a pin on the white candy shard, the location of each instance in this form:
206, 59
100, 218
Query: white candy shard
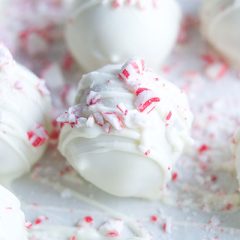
136, 131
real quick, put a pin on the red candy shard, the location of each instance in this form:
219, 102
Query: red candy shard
153, 218
174, 176
203, 148
140, 90
168, 117
131, 70
88, 219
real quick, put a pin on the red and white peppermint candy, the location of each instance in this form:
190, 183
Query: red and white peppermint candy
93, 98
114, 119
39, 220
68, 118
122, 108
132, 71
112, 228
146, 100
98, 118
80, 122
37, 136
216, 70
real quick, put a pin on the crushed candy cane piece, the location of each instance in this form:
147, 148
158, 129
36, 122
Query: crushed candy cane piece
216, 70
40, 220
203, 148
112, 228
146, 100
38, 136
154, 218
98, 118
167, 226
131, 71
174, 176
93, 98
122, 108
88, 219
72, 116
168, 117
114, 119
28, 225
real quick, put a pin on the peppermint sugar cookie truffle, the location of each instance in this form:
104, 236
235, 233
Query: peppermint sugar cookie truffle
101, 32
12, 220
24, 109
127, 129
220, 21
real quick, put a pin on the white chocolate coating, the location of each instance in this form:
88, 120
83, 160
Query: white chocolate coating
24, 108
117, 147
220, 22
99, 34
12, 220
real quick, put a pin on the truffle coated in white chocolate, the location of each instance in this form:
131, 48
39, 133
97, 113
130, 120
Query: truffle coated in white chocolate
24, 117
101, 32
220, 21
127, 130
12, 220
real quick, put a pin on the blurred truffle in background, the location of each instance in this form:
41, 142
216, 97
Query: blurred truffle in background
220, 21
112, 31
24, 124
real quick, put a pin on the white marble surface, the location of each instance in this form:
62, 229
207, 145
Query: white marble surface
200, 201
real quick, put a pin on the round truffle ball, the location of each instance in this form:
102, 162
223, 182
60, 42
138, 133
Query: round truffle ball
127, 129
24, 117
220, 21
12, 220
109, 32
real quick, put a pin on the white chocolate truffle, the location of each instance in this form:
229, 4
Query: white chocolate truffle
12, 220
101, 32
220, 21
127, 130
24, 109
